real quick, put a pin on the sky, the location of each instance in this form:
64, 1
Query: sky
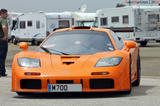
56, 5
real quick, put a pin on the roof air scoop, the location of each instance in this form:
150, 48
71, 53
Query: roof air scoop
82, 27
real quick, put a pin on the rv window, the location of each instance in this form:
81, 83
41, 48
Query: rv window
125, 19
85, 23
115, 19
29, 23
22, 24
103, 21
64, 24
38, 24
153, 18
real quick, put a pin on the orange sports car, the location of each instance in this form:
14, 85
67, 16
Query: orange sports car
78, 59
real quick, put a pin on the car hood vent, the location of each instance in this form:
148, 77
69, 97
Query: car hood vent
68, 63
69, 60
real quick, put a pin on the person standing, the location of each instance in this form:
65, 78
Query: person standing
3, 40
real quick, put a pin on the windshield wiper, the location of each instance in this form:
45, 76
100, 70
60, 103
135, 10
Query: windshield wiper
45, 49
48, 50
59, 52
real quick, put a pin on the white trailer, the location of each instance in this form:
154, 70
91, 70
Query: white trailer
34, 27
12, 19
139, 23
83, 19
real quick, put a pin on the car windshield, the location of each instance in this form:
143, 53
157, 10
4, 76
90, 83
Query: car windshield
77, 42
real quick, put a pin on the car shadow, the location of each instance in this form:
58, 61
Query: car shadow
150, 45
141, 90
136, 91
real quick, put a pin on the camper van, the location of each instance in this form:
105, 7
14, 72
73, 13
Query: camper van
12, 19
138, 23
83, 19
35, 27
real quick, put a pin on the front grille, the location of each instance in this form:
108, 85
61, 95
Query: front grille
30, 84
64, 82
101, 83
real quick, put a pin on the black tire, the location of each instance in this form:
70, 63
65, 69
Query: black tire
137, 82
143, 43
14, 40
158, 41
9, 39
130, 70
34, 42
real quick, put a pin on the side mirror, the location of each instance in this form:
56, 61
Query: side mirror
130, 44
23, 45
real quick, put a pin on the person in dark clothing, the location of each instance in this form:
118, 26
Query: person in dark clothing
3, 40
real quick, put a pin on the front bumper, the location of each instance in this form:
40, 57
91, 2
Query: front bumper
97, 83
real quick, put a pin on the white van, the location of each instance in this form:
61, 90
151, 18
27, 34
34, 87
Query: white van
34, 27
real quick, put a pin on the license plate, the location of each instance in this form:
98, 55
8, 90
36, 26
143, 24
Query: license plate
64, 87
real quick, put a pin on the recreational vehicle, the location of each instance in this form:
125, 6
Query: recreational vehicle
34, 27
12, 19
139, 23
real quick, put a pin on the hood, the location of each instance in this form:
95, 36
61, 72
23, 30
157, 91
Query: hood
68, 65
74, 65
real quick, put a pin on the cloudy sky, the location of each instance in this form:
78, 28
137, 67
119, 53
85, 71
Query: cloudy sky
56, 5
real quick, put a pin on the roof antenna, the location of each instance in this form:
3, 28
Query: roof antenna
83, 8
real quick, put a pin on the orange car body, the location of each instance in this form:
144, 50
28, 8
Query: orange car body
77, 69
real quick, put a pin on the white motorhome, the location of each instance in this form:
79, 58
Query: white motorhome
83, 19
34, 27
12, 19
139, 23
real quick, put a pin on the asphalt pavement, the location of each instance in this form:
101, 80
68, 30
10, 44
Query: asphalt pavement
147, 94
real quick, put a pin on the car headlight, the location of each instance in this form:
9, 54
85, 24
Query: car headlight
109, 61
28, 62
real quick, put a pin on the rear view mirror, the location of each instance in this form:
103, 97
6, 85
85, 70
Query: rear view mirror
130, 44
23, 45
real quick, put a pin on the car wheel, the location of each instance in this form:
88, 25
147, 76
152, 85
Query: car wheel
130, 70
143, 44
14, 40
137, 82
34, 42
